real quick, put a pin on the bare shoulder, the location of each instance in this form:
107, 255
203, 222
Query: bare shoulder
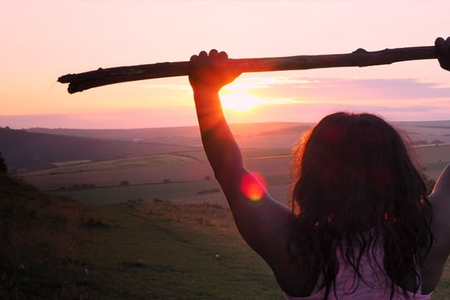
440, 202
440, 226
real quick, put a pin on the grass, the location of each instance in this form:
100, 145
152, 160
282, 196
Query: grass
169, 251
41, 241
440, 165
175, 191
149, 160
117, 194
164, 251
55, 248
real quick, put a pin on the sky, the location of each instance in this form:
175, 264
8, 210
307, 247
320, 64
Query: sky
42, 40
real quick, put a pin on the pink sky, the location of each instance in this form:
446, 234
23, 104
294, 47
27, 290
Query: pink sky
42, 40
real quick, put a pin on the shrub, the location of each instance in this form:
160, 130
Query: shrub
3, 167
213, 190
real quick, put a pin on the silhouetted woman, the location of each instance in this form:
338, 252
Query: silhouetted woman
361, 225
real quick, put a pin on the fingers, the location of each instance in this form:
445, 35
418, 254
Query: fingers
443, 51
194, 59
442, 45
212, 70
213, 57
439, 42
203, 55
223, 57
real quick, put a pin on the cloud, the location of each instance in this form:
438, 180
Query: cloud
313, 112
349, 90
163, 117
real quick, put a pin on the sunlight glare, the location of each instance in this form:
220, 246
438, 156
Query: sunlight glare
240, 100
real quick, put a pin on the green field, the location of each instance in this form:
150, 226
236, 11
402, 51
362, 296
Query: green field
153, 169
117, 194
169, 251
122, 163
56, 248
152, 160
163, 251
177, 192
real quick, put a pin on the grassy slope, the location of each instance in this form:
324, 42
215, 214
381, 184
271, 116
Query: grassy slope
169, 251
41, 242
44, 149
176, 252
55, 248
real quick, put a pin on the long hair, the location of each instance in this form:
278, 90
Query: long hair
357, 186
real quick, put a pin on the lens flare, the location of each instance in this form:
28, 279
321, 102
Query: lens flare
253, 186
240, 101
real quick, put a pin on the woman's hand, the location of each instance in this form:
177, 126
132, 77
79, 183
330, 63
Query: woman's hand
211, 72
443, 51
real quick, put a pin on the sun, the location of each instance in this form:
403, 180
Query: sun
240, 100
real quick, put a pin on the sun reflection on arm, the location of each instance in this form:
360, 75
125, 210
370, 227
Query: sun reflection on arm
253, 186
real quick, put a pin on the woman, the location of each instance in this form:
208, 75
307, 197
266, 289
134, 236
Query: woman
361, 226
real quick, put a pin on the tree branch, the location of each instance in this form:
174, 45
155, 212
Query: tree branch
359, 58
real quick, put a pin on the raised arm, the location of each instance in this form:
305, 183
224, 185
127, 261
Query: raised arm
440, 202
208, 74
263, 222
441, 192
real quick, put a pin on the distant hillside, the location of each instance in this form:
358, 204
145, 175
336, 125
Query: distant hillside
121, 134
420, 132
32, 151
150, 134
38, 148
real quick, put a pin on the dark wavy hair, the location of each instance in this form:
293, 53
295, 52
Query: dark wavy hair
356, 186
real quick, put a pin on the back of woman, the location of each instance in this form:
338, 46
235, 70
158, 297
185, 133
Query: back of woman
361, 225
374, 284
364, 219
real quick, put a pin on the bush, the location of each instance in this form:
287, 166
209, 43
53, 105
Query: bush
213, 190
124, 183
3, 167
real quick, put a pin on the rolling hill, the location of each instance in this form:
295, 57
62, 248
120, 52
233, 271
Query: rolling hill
25, 151
40, 148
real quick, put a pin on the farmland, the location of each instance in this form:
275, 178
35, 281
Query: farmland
179, 176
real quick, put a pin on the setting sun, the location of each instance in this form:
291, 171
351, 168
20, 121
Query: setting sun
240, 100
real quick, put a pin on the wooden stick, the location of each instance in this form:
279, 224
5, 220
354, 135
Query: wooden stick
360, 58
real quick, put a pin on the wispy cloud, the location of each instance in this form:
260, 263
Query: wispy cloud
163, 117
309, 99
350, 90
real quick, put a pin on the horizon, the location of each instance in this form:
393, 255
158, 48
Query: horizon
195, 125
